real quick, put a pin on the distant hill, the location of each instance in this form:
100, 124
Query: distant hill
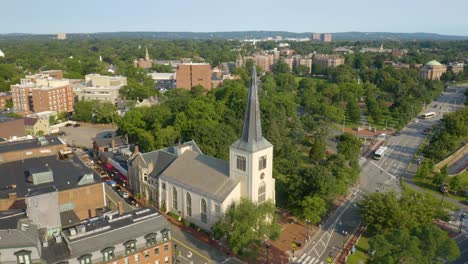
246, 35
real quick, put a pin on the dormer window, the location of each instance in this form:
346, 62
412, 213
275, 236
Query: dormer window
130, 246
23, 257
150, 239
108, 253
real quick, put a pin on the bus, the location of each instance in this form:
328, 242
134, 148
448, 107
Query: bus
428, 115
379, 153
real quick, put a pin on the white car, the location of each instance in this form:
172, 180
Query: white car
416, 120
125, 195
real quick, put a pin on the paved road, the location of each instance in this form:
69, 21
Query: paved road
376, 176
193, 251
331, 237
462, 242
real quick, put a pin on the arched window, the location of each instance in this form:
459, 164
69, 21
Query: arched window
174, 199
188, 201
204, 216
261, 192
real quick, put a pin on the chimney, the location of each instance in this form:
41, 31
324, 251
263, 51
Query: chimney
113, 144
120, 207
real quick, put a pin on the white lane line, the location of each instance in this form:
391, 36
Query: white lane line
306, 259
311, 261
300, 259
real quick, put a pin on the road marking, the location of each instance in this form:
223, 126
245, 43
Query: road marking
194, 251
362, 160
312, 261
306, 259
300, 259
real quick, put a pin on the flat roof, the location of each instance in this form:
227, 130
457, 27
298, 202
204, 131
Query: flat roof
66, 175
30, 144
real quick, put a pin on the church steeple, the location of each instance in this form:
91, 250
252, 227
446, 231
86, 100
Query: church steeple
147, 57
252, 131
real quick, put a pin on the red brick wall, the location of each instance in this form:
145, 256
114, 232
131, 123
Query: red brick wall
86, 199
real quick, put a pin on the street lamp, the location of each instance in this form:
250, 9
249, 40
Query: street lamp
267, 246
307, 228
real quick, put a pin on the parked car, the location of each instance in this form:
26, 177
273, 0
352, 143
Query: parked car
106, 179
108, 135
396, 133
76, 125
112, 183
68, 124
125, 195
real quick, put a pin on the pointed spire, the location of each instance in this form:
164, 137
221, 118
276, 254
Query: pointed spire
252, 131
147, 57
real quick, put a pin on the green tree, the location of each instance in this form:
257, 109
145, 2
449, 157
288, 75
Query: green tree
281, 67
313, 208
349, 146
455, 184
83, 111
245, 225
318, 148
302, 70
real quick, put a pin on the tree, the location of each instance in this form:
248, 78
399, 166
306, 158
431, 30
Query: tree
455, 184
246, 225
281, 67
318, 149
313, 208
302, 70
349, 146
83, 111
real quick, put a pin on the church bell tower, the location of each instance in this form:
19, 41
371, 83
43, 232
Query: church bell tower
251, 156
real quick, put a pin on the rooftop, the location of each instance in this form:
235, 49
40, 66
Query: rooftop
202, 169
106, 231
18, 176
433, 63
30, 144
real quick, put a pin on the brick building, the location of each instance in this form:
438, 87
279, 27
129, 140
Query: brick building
328, 60
11, 128
4, 99
145, 63
189, 75
32, 166
456, 67
140, 236
323, 37
46, 91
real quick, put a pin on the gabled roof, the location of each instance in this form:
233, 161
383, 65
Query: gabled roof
160, 159
202, 174
30, 121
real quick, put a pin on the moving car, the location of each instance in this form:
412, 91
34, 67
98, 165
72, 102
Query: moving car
76, 125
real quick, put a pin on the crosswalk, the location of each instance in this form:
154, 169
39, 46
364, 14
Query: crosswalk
362, 160
307, 259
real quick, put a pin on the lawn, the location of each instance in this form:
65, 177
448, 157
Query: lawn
360, 256
427, 184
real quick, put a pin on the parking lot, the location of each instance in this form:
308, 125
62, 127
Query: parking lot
83, 135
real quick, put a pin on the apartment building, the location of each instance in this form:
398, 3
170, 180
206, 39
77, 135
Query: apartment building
328, 60
46, 91
189, 75
4, 99
140, 236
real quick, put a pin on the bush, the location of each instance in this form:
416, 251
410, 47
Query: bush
173, 215
185, 223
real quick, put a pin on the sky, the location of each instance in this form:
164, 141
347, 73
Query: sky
89, 16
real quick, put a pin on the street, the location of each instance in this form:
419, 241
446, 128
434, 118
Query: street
378, 176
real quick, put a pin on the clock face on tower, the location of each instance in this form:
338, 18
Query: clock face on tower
262, 176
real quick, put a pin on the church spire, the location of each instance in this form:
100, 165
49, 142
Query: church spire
252, 132
147, 57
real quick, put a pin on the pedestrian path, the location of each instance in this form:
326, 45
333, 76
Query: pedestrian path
307, 259
362, 160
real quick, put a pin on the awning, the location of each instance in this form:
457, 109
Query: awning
122, 177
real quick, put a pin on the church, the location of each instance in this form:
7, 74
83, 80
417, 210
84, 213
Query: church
200, 188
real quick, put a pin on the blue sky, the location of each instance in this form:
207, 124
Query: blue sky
53, 16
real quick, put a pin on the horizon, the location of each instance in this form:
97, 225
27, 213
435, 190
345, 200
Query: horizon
233, 31
204, 16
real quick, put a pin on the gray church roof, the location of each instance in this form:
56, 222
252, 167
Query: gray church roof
202, 174
252, 138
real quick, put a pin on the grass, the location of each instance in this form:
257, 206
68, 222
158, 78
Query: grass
360, 256
427, 184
